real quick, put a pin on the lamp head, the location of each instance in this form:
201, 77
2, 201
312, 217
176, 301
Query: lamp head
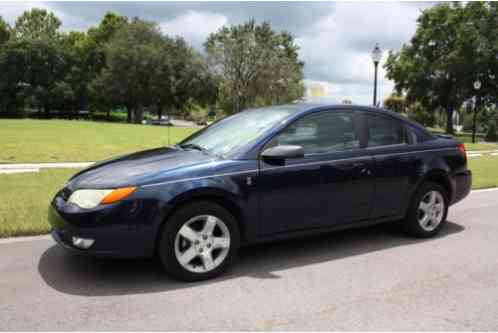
376, 54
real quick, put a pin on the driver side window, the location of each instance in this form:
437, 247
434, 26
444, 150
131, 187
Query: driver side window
325, 132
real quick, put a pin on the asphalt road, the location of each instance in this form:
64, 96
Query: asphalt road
368, 279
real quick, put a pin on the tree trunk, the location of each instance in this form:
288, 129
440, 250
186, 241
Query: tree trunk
159, 111
138, 115
46, 110
129, 111
449, 120
108, 115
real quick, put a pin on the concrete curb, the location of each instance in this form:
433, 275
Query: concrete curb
11, 240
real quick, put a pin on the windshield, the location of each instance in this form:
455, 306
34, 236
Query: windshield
232, 133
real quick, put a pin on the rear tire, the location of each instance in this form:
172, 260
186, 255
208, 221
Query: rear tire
199, 242
427, 213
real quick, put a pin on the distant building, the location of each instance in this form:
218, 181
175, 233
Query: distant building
316, 89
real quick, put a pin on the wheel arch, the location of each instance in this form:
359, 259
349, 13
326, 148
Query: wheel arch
440, 177
220, 197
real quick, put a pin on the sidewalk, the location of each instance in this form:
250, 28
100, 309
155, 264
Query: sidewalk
478, 153
35, 167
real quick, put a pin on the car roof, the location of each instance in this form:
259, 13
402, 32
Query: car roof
295, 108
306, 107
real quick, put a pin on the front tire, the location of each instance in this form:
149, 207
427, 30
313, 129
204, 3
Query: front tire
199, 242
428, 210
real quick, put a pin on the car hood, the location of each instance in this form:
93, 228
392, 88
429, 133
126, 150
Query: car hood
139, 168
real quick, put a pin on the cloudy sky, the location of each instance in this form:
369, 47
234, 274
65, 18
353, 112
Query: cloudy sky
335, 38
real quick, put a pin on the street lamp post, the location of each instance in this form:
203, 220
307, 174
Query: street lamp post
376, 56
477, 86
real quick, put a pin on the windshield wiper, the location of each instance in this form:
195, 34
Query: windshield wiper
192, 146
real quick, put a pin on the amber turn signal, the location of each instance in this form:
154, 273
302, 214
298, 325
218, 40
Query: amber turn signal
118, 194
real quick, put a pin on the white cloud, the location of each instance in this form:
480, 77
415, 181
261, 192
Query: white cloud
194, 26
336, 49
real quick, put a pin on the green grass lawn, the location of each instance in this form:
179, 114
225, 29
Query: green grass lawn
24, 198
28, 140
481, 146
484, 171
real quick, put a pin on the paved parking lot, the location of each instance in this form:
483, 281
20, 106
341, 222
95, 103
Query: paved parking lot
371, 279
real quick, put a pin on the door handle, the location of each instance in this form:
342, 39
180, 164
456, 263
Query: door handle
365, 172
362, 169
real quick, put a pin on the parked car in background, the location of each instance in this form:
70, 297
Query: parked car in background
163, 121
262, 175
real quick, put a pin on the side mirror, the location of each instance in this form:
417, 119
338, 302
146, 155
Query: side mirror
283, 152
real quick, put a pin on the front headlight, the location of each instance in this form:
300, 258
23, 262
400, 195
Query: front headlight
88, 199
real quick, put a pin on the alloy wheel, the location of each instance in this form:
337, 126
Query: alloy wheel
431, 210
202, 243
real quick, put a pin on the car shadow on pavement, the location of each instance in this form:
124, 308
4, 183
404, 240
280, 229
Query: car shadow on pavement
79, 275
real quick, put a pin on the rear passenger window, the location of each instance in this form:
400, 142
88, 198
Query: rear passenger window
417, 135
384, 131
422, 136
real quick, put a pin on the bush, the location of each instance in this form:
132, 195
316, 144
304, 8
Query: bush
491, 134
197, 114
114, 116
419, 114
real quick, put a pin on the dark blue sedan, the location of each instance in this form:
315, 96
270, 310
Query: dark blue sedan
262, 175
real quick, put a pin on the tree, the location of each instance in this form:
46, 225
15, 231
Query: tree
33, 62
132, 56
418, 113
181, 77
37, 24
99, 36
257, 66
478, 44
428, 69
395, 102
31, 69
453, 45
97, 39
73, 92
4, 31
147, 70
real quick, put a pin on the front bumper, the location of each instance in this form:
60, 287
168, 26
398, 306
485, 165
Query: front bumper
118, 230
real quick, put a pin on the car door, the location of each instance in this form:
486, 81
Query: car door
331, 184
387, 143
